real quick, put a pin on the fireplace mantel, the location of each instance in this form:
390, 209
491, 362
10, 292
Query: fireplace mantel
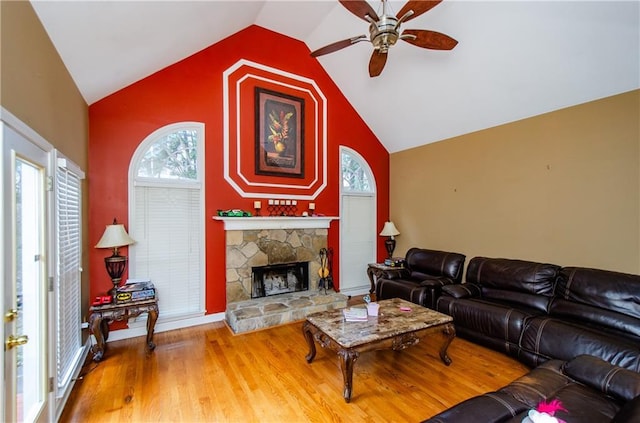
275, 222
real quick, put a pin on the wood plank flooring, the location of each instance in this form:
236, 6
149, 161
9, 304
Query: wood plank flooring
208, 374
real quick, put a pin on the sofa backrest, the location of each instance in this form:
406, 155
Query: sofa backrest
511, 281
513, 275
601, 297
435, 263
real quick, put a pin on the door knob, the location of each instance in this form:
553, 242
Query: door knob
11, 315
15, 341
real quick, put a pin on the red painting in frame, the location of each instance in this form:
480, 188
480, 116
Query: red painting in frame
279, 146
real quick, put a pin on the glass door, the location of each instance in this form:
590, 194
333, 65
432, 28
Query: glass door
24, 272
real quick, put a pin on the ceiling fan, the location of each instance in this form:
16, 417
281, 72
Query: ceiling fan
384, 31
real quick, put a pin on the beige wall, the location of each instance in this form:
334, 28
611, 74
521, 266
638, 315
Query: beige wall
562, 187
36, 87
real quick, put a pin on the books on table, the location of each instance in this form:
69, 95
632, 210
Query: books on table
355, 314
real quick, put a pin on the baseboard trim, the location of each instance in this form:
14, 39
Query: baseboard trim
121, 334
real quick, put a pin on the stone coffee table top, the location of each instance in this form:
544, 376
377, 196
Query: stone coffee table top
390, 322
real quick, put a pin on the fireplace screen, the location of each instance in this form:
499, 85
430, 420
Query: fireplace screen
279, 279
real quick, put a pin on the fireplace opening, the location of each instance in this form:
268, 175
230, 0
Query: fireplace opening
278, 279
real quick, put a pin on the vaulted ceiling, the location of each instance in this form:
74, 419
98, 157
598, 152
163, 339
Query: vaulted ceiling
515, 59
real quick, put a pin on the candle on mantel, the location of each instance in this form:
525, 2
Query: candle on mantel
257, 205
312, 206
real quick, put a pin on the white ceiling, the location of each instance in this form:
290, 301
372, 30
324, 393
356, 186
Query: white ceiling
515, 59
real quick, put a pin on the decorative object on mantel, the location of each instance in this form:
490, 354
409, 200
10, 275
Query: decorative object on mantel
257, 205
312, 209
115, 236
282, 207
233, 213
391, 231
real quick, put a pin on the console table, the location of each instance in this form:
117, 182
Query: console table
102, 315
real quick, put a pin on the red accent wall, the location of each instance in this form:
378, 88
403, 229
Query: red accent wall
191, 90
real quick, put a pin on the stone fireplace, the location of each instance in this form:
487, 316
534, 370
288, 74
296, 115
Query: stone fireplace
257, 242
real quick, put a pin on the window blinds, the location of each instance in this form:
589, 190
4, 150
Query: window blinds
68, 274
168, 230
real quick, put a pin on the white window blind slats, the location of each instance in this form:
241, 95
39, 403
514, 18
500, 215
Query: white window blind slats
167, 248
69, 256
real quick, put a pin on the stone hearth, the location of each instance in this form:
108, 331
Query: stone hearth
261, 241
276, 310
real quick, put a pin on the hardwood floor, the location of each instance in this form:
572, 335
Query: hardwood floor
206, 373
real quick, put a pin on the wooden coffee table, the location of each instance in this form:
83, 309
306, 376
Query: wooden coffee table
392, 329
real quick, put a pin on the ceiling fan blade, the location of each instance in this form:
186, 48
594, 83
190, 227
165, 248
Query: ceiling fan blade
337, 45
418, 7
360, 8
376, 63
429, 39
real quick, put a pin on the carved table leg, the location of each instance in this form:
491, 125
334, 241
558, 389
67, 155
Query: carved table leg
371, 273
450, 333
347, 359
96, 328
151, 324
306, 331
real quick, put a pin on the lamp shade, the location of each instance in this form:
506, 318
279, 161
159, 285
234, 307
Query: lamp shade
114, 236
389, 229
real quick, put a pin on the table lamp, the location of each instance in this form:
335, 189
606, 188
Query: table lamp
390, 231
115, 237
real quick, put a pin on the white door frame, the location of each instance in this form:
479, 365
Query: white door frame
30, 142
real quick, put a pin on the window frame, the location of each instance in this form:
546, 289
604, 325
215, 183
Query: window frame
135, 181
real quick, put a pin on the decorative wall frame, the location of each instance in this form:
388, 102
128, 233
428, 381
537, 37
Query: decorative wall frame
279, 128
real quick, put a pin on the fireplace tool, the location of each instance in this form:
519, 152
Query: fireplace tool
326, 269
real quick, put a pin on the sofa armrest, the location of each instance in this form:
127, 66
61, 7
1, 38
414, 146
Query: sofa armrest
461, 290
434, 281
603, 376
402, 273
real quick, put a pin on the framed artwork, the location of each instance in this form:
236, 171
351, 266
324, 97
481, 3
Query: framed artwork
279, 120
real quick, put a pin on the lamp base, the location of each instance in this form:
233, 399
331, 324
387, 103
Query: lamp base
115, 265
390, 245
114, 291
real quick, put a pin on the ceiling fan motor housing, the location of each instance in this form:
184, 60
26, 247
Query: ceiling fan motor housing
383, 33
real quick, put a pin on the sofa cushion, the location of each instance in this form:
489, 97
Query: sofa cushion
573, 311
619, 292
582, 403
615, 381
513, 275
486, 318
493, 406
548, 337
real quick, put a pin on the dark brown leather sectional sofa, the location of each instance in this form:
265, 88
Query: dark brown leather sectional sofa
579, 328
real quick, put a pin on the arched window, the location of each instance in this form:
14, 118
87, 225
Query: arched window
357, 222
166, 206
355, 176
